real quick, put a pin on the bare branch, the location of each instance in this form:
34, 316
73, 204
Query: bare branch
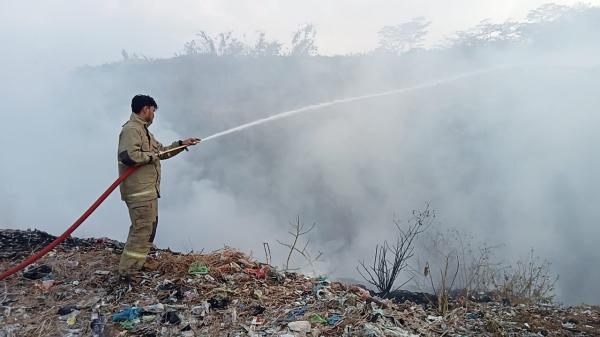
391, 259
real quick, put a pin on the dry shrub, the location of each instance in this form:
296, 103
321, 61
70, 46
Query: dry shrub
529, 280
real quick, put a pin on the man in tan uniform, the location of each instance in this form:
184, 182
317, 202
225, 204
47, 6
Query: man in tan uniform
141, 190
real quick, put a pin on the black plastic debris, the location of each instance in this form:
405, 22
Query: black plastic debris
18, 243
401, 296
97, 324
66, 310
218, 303
37, 273
171, 317
257, 310
168, 286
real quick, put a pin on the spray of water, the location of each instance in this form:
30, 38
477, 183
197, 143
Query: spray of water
351, 99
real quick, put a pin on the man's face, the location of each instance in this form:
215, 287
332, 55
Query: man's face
147, 113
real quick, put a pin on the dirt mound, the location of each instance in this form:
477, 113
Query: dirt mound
74, 291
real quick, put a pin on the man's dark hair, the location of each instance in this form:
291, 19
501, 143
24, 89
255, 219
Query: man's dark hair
140, 101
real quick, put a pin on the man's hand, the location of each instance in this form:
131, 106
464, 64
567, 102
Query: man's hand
154, 156
190, 141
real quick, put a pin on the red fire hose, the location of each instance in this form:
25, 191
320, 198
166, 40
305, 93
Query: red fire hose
70, 230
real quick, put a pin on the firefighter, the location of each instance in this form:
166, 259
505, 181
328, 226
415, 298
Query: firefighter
141, 190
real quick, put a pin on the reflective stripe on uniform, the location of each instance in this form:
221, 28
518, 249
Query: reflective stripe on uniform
134, 254
141, 193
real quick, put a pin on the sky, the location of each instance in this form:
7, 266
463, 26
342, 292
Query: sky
72, 33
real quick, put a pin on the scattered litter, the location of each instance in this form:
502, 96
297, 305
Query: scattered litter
257, 310
127, 325
72, 263
296, 313
72, 318
569, 325
333, 319
201, 310
66, 310
317, 319
258, 272
45, 284
97, 324
299, 326
72, 333
258, 321
198, 268
127, 314
155, 308
243, 298
218, 303
37, 273
171, 317
432, 318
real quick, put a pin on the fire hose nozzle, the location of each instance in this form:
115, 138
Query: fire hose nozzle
177, 148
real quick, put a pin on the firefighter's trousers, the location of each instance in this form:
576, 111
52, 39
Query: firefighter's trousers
144, 219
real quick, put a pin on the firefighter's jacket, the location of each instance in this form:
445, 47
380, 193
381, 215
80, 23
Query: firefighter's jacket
138, 147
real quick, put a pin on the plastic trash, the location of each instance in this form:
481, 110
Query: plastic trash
72, 263
190, 294
171, 317
296, 313
72, 318
127, 325
198, 268
321, 289
97, 324
377, 313
155, 308
148, 318
317, 319
66, 310
258, 272
333, 319
432, 318
72, 333
258, 294
472, 315
65, 316
381, 331
219, 302
45, 284
37, 273
127, 314
167, 285
257, 310
258, 321
201, 310
299, 326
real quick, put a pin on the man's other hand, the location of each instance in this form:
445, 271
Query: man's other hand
190, 141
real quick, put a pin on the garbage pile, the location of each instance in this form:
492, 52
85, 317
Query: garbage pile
74, 291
